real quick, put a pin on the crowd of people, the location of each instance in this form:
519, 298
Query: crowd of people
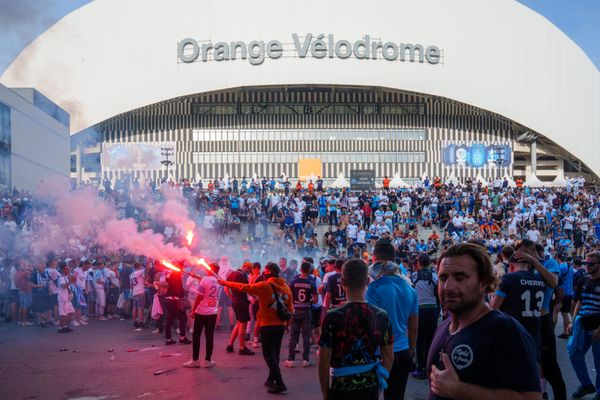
366, 277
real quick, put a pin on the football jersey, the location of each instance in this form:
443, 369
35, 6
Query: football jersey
303, 292
336, 290
137, 282
523, 293
209, 290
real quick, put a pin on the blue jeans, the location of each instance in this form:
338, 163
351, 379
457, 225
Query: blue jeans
578, 346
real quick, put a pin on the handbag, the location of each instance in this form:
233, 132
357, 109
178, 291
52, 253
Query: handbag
282, 311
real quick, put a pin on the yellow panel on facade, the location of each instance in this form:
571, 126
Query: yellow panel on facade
309, 168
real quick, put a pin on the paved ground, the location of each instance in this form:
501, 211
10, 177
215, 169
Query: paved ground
33, 367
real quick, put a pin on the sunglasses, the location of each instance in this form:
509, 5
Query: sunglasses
589, 263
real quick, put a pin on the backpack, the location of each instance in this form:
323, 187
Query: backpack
282, 311
425, 274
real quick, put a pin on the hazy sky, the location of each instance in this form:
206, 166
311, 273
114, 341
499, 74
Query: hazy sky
21, 21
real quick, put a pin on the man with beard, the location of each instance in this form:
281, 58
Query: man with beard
478, 353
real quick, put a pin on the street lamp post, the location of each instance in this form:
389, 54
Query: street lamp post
166, 152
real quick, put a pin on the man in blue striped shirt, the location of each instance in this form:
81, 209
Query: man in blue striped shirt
586, 328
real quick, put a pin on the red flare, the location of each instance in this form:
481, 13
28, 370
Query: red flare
170, 266
189, 237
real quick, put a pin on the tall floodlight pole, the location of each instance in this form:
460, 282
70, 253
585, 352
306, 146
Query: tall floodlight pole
166, 152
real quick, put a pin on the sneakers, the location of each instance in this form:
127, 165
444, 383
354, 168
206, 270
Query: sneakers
64, 330
419, 375
155, 331
75, 323
290, 364
269, 383
135, 324
277, 388
307, 363
185, 341
192, 364
82, 322
245, 352
170, 342
229, 349
209, 364
138, 329
254, 344
583, 391
102, 319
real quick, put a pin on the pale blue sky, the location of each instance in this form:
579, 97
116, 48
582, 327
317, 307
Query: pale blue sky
21, 21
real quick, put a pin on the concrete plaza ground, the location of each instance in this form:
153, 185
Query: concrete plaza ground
34, 367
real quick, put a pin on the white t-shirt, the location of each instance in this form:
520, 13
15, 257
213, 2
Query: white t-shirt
352, 231
80, 277
361, 236
63, 293
533, 235
209, 289
298, 217
568, 222
137, 282
53, 274
112, 276
457, 221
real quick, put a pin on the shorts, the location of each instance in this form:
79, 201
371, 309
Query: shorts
25, 300
13, 296
53, 300
127, 294
139, 300
113, 296
566, 304
316, 316
242, 311
224, 300
65, 307
40, 303
79, 300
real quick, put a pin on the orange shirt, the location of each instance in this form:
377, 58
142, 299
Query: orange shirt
267, 316
386, 183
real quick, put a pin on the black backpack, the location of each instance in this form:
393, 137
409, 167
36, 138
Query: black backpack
282, 311
425, 274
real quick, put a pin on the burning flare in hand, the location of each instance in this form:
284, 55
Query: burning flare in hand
189, 236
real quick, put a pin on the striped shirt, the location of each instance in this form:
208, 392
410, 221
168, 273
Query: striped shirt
588, 293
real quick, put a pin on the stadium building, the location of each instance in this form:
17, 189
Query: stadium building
236, 88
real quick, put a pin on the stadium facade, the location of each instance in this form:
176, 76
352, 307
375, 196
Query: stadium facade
307, 88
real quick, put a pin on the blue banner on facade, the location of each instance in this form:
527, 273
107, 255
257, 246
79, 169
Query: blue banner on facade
477, 155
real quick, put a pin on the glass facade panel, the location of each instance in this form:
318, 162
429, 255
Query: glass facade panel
240, 149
